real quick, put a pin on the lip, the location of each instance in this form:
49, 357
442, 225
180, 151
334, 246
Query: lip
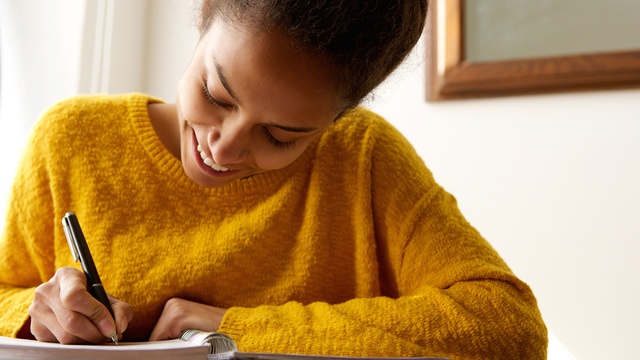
204, 167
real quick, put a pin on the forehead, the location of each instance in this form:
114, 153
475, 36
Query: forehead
265, 70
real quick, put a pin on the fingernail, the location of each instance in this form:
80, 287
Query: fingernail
107, 328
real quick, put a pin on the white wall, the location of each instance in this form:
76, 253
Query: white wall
54, 49
114, 46
40, 55
170, 44
550, 180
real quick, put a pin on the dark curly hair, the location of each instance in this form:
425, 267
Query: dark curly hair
364, 40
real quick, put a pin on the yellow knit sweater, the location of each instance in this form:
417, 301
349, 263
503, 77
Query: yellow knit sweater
351, 250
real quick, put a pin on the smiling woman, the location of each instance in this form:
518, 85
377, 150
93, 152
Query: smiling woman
256, 88
282, 213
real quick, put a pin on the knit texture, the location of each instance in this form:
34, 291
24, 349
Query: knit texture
351, 250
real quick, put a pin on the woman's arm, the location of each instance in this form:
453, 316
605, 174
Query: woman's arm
455, 298
35, 299
444, 290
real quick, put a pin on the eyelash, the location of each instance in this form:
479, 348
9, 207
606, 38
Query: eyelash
211, 99
275, 142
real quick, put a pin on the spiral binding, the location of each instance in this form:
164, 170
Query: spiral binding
218, 343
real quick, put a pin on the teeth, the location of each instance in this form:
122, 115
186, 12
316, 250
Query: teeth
210, 162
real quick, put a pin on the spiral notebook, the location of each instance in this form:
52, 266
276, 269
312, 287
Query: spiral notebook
192, 344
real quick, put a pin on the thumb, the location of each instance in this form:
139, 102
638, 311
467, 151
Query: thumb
104, 321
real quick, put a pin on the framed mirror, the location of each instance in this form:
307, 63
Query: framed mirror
480, 48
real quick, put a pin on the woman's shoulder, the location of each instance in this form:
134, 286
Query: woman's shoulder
366, 137
361, 127
88, 111
361, 119
82, 117
89, 104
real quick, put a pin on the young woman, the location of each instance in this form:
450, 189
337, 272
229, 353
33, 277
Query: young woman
264, 204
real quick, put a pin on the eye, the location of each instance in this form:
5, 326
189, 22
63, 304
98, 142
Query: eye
207, 95
277, 143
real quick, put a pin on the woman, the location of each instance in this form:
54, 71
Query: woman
264, 204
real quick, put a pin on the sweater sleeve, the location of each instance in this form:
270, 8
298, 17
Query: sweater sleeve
444, 290
26, 253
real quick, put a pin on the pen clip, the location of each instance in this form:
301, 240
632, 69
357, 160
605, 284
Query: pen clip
68, 233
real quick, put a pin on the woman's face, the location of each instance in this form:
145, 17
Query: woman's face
250, 103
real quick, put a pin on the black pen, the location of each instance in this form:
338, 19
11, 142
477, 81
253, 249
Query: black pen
80, 251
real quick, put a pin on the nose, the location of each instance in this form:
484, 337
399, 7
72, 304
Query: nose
229, 145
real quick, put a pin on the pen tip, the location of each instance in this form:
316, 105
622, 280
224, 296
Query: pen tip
114, 339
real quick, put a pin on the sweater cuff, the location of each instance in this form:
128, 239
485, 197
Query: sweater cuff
232, 325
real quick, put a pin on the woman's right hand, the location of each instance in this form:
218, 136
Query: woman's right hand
64, 311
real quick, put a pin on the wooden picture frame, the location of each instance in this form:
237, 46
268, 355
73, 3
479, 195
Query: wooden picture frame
450, 76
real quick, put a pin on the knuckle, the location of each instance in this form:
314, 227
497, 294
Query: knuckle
34, 309
73, 297
175, 306
172, 310
39, 331
65, 272
66, 338
42, 291
97, 312
172, 303
70, 287
71, 323
38, 306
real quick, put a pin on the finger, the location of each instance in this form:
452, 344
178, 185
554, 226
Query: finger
45, 313
38, 329
76, 325
42, 333
159, 331
47, 328
163, 328
39, 311
179, 315
80, 314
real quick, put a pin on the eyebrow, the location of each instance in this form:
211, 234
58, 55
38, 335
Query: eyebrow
225, 83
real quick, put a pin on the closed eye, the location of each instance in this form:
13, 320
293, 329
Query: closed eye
207, 95
275, 142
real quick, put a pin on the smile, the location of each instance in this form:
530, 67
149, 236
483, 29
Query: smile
209, 162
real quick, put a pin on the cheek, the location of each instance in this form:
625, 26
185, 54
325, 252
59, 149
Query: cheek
185, 99
191, 105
